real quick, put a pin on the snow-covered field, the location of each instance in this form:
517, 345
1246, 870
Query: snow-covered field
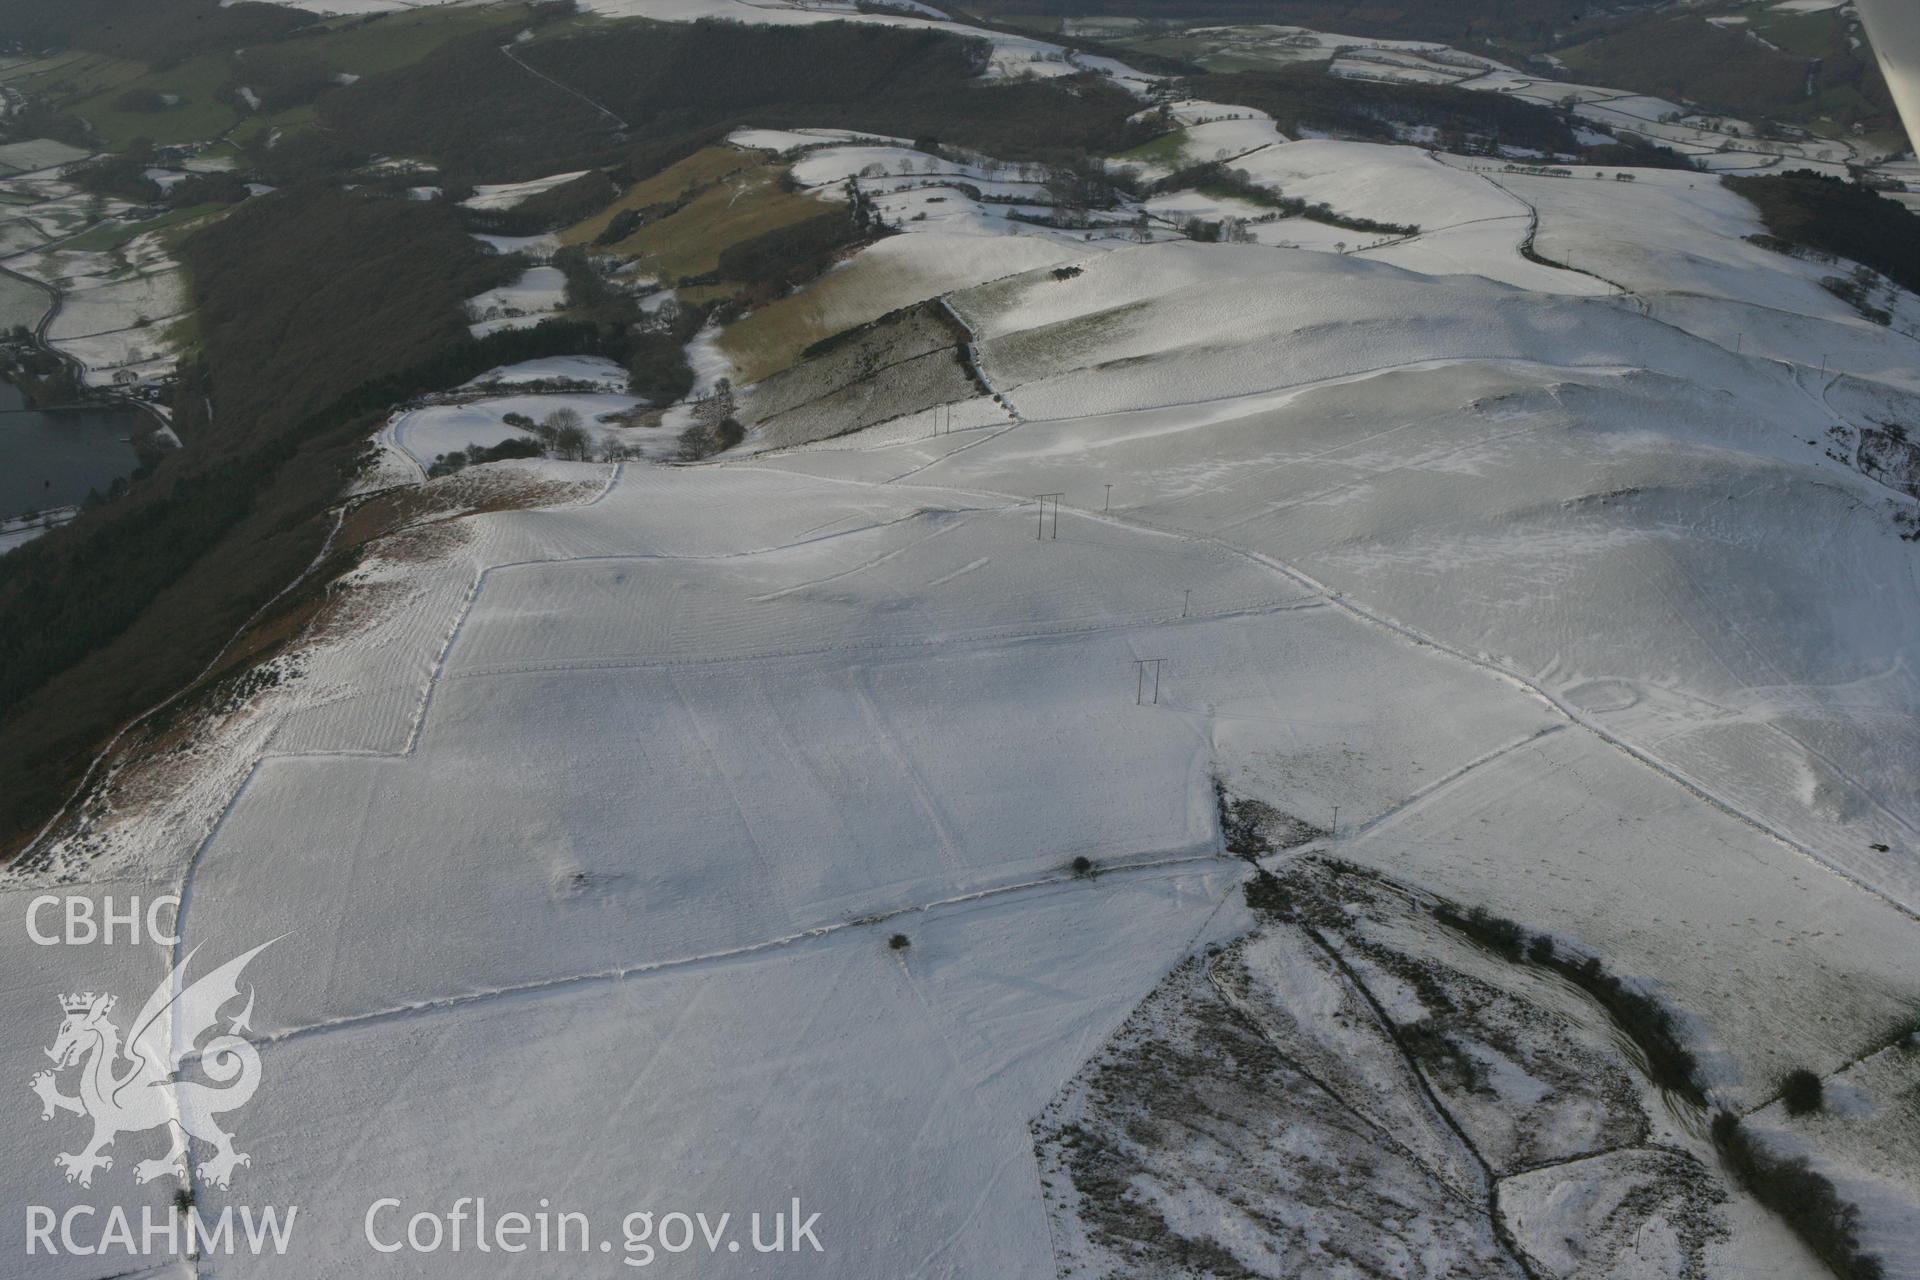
538, 247
37, 154
751, 637
1213, 131
117, 304
132, 303
897, 272
1617, 382
505, 195
646, 837
596, 371
521, 303
1467, 225
1721, 144
115, 310
785, 141
424, 434
21, 303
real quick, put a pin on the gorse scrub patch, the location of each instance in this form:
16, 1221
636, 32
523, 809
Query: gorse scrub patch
1651, 1025
1240, 823
1804, 1199
1251, 829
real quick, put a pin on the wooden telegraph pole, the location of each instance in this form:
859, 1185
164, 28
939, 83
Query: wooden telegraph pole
1043, 499
1140, 666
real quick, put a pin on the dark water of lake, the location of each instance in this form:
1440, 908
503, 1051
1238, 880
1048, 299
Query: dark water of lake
52, 458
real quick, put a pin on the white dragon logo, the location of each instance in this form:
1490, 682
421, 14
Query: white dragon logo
134, 1088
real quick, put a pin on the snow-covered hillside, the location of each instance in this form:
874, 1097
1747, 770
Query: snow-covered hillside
847, 818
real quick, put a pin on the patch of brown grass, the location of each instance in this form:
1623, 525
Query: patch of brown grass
729, 196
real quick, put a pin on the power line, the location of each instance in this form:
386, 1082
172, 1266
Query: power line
1140, 666
1043, 499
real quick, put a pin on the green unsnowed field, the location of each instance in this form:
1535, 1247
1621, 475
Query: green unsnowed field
201, 113
1162, 150
72, 71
